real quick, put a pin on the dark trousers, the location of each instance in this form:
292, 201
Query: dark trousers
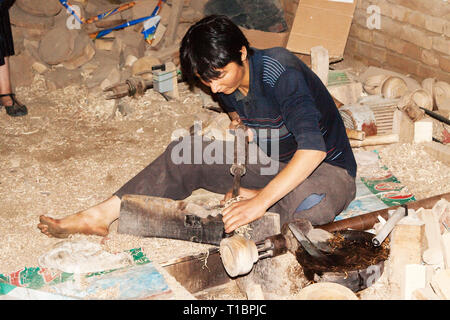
6, 39
322, 196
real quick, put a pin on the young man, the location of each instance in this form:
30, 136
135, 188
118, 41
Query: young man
291, 117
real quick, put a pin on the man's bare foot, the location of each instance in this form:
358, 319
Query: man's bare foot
93, 221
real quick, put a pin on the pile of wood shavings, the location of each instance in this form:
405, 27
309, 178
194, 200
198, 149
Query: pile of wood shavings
423, 175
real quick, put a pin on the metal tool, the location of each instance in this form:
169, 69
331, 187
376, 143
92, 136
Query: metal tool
240, 155
399, 214
134, 86
238, 254
307, 244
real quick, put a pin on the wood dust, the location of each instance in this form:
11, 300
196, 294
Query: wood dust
74, 149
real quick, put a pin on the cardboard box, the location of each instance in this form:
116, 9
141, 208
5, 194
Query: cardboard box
321, 23
264, 40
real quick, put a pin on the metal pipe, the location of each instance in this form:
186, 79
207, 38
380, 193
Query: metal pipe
367, 221
399, 214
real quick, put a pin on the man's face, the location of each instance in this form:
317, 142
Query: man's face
229, 80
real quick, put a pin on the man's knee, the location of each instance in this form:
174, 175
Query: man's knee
317, 209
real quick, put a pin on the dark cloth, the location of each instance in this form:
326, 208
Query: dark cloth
6, 39
288, 104
265, 15
167, 177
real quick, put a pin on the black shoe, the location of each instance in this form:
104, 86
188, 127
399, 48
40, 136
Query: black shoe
17, 109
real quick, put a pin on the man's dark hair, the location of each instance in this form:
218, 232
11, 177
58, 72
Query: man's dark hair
211, 44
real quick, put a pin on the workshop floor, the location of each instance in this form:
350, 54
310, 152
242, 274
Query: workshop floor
69, 154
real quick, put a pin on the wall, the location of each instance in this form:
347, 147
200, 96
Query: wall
413, 36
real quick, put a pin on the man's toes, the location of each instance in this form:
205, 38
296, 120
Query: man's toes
46, 220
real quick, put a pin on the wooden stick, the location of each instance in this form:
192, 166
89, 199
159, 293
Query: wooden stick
355, 134
375, 140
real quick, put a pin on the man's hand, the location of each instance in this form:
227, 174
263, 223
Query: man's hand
243, 192
233, 125
241, 213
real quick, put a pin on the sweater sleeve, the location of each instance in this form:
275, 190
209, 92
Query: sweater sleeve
298, 109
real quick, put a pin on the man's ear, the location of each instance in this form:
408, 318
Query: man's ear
243, 53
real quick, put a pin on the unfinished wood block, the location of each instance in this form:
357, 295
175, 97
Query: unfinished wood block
47, 8
403, 126
375, 140
423, 131
426, 293
433, 254
104, 44
39, 67
446, 247
406, 248
414, 278
21, 18
441, 283
320, 62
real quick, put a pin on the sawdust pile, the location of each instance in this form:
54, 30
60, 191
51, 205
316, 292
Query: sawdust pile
423, 175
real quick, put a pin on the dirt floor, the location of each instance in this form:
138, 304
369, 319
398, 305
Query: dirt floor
75, 149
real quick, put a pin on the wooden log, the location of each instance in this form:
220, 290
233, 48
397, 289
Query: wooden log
375, 140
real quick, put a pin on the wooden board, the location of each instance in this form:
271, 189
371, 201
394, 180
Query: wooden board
406, 248
198, 272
